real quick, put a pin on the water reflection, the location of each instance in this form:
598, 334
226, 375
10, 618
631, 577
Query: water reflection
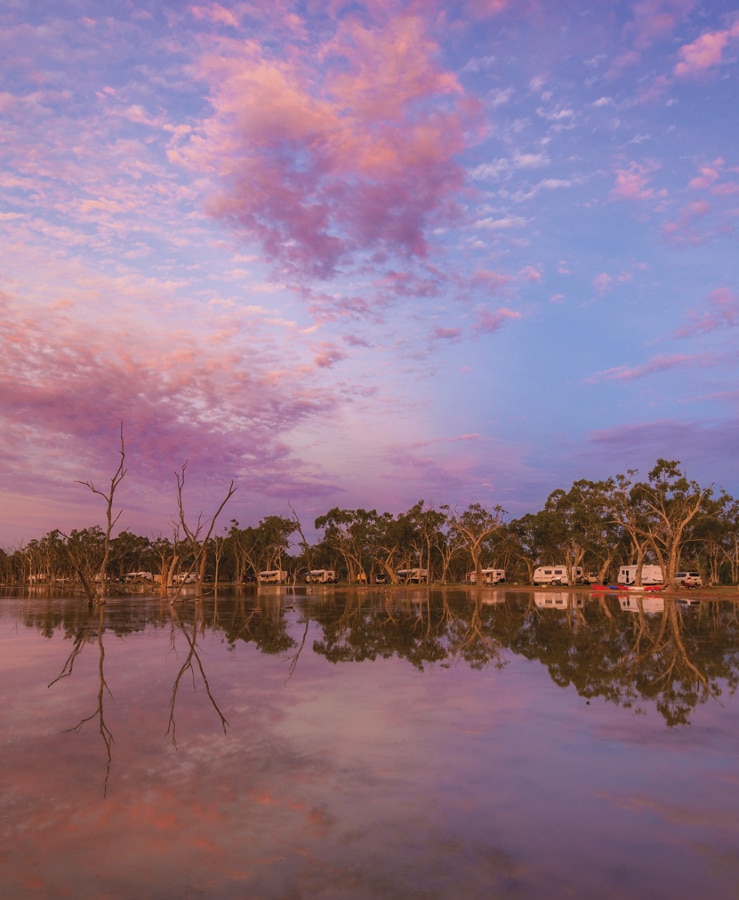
629, 649
365, 743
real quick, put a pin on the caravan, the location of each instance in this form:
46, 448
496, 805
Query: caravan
557, 574
649, 575
489, 576
272, 576
413, 576
321, 576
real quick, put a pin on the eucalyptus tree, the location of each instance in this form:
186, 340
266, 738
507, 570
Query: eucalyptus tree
256, 549
427, 534
352, 534
167, 555
728, 516
581, 519
566, 518
130, 552
523, 537
473, 528
87, 552
711, 537
671, 503
629, 511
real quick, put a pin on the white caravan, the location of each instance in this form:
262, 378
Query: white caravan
649, 575
272, 576
489, 576
321, 576
556, 574
413, 576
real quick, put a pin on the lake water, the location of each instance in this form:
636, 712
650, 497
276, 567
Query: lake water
369, 743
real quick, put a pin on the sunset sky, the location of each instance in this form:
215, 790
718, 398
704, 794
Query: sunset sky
362, 254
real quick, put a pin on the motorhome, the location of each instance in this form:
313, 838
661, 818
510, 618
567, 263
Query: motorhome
489, 576
272, 576
321, 576
649, 575
556, 574
413, 576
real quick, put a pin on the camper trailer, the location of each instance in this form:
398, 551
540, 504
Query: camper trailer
556, 574
649, 575
272, 576
489, 576
413, 576
321, 576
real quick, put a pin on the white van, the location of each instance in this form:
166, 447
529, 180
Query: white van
556, 574
649, 575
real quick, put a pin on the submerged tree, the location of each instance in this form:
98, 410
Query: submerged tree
95, 585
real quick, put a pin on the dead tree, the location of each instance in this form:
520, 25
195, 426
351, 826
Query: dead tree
96, 589
192, 534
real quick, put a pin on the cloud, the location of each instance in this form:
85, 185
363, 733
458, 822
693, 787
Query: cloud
656, 365
632, 183
225, 405
704, 53
655, 20
602, 283
216, 14
339, 150
489, 321
722, 313
447, 334
682, 230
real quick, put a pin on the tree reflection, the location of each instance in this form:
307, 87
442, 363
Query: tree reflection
193, 663
93, 630
631, 651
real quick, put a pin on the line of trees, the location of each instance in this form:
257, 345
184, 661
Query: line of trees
665, 519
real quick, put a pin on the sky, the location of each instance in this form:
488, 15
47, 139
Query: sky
362, 254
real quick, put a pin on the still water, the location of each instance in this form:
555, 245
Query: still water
372, 743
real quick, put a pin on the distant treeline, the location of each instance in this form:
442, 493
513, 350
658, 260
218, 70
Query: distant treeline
665, 519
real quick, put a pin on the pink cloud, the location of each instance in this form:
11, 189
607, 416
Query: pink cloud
708, 175
653, 366
722, 313
531, 273
704, 53
655, 20
320, 163
486, 9
214, 12
489, 321
682, 230
447, 334
328, 355
489, 281
602, 282
65, 392
632, 183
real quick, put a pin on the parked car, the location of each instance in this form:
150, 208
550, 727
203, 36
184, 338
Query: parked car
688, 579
